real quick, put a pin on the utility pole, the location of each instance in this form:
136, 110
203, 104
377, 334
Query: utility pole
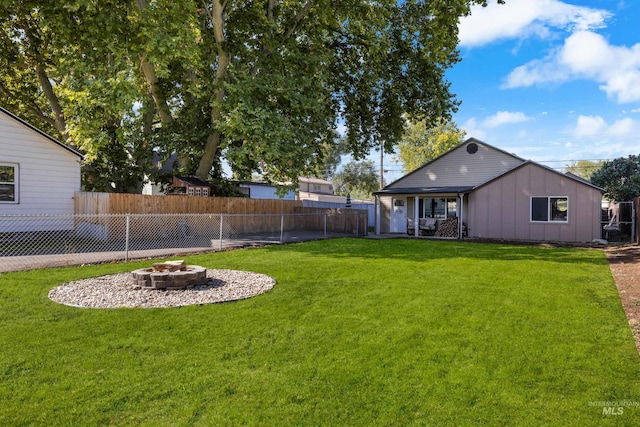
381, 165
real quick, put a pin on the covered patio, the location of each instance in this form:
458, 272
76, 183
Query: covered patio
430, 212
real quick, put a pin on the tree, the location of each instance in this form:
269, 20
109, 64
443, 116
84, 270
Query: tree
66, 70
358, 179
331, 159
584, 168
258, 84
421, 142
620, 178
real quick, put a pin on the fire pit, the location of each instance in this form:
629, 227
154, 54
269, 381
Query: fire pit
170, 275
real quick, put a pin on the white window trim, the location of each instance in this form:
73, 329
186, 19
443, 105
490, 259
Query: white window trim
16, 183
548, 221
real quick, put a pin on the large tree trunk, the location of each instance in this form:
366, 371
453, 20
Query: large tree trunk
155, 90
54, 102
216, 15
153, 84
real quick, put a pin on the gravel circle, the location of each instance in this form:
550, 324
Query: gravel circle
117, 290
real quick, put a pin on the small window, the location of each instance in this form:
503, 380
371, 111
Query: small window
316, 188
549, 209
205, 192
8, 183
198, 191
191, 191
398, 202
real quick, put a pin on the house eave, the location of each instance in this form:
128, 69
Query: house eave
424, 190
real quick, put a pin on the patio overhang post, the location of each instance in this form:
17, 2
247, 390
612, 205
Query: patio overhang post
416, 218
377, 215
460, 215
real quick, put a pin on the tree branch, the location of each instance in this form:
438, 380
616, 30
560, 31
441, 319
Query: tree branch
224, 58
270, 7
54, 102
299, 16
155, 90
153, 84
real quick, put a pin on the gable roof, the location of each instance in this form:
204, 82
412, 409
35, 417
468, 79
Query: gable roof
41, 133
463, 167
531, 162
456, 189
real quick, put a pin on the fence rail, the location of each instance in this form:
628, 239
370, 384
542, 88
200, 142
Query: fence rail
38, 241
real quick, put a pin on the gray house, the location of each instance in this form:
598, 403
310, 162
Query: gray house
479, 191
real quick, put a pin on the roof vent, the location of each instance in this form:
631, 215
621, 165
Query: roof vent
472, 148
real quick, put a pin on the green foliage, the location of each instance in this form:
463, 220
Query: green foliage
422, 142
359, 179
584, 168
260, 85
393, 332
329, 159
620, 178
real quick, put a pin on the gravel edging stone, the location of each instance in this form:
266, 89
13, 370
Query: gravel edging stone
118, 290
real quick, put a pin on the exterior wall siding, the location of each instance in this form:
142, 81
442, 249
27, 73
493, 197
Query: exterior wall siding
459, 168
501, 209
49, 175
267, 192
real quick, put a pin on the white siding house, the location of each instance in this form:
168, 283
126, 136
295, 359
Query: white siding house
38, 175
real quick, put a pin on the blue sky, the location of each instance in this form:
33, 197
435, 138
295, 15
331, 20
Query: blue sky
549, 80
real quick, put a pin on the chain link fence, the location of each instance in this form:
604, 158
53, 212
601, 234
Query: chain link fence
618, 223
39, 241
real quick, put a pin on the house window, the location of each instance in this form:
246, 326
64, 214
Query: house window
438, 207
549, 209
316, 188
191, 191
198, 191
205, 192
8, 183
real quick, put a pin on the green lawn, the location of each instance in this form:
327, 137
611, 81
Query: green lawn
356, 332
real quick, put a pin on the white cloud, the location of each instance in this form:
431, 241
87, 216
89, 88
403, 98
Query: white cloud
589, 126
624, 127
597, 127
472, 129
586, 55
504, 117
526, 18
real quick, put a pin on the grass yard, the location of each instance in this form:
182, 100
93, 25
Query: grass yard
356, 332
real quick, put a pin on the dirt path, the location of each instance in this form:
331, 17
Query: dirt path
624, 262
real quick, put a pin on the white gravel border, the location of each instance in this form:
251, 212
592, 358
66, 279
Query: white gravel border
117, 290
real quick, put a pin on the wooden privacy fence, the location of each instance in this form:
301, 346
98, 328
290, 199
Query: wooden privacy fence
149, 217
119, 203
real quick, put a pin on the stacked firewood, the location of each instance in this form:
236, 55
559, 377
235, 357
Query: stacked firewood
448, 228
